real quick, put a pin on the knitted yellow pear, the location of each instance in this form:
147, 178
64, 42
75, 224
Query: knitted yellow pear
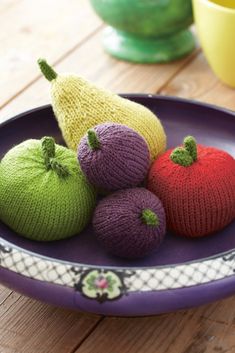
79, 105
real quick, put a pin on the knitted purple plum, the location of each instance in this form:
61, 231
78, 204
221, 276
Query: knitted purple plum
113, 156
130, 223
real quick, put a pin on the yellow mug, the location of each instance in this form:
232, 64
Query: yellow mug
215, 23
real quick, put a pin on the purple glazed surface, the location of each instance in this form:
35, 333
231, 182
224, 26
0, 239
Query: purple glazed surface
136, 304
121, 161
210, 126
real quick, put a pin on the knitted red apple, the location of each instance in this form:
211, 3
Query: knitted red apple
196, 185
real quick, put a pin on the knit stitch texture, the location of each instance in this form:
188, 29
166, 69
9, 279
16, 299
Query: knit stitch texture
37, 201
198, 199
80, 105
121, 160
119, 225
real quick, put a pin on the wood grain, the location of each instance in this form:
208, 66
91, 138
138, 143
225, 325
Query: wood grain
197, 81
31, 29
28, 326
4, 293
191, 331
112, 74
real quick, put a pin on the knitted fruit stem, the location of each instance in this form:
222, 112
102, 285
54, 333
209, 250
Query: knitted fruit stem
190, 145
186, 155
48, 151
149, 218
48, 147
47, 70
93, 140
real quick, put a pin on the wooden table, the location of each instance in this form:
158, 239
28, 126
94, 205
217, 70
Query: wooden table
68, 34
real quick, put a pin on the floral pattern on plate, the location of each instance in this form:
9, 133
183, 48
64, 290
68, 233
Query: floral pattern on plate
102, 285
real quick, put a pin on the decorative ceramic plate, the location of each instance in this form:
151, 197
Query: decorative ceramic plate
77, 273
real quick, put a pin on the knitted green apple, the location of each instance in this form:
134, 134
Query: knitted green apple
43, 193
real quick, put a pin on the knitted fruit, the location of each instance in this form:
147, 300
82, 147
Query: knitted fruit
43, 193
130, 223
79, 105
196, 185
113, 156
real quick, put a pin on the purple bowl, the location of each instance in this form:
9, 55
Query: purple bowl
79, 274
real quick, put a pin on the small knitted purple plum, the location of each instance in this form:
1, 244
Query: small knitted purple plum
113, 157
130, 223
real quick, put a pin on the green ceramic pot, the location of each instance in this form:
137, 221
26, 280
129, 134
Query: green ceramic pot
146, 30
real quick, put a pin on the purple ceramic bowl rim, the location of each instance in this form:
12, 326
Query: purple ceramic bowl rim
134, 304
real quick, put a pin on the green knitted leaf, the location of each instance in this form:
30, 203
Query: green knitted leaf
149, 217
181, 156
60, 169
185, 156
